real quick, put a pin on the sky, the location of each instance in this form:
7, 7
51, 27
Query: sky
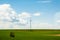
16, 14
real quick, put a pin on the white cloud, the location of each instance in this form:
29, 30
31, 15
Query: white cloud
58, 21
24, 15
44, 1
8, 16
42, 26
36, 14
22, 21
45, 25
6, 12
4, 6
57, 18
57, 14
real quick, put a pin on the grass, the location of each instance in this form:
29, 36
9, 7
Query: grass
30, 35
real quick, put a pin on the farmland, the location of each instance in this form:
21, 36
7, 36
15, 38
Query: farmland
30, 34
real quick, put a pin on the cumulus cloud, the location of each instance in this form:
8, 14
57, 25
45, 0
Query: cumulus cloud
36, 14
4, 6
6, 12
24, 15
44, 1
8, 16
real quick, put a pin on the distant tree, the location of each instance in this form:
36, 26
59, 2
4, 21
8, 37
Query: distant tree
12, 35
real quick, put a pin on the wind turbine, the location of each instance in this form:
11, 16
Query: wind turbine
30, 23
36, 14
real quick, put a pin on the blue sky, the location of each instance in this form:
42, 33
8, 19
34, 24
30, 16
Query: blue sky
47, 9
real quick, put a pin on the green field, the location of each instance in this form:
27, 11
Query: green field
30, 34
